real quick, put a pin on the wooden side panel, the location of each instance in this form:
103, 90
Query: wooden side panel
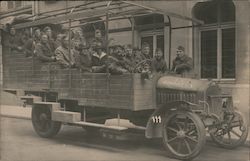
38, 77
121, 91
105, 90
16, 70
144, 93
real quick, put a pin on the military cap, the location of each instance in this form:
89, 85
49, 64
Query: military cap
36, 28
181, 48
46, 28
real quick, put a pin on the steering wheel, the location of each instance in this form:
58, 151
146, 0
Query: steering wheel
141, 65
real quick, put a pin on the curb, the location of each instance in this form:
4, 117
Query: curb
246, 144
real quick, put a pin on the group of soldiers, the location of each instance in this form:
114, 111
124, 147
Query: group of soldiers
72, 50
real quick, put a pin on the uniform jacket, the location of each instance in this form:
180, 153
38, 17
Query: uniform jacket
12, 42
82, 60
182, 64
99, 62
43, 52
117, 65
64, 57
52, 44
158, 66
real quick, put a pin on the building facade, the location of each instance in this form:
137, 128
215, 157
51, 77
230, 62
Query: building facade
219, 47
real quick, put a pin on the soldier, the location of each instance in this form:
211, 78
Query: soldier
182, 63
58, 40
146, 51
37, 35
82, 56
13, 41
64, 56
129, 59
99, 58
27, 41
43, 50
158, 64
138, 55
143, 58
116, 63
47, 30
99, 37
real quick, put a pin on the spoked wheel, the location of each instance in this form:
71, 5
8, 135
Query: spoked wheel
183, 135
231, 133
42, 123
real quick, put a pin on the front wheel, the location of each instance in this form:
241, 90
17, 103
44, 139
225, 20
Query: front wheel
183, 134
42, 123
231, 133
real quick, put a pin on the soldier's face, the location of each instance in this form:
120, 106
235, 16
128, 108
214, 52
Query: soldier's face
98, 34
77, 45
44, 38
120, 52
38, 33
129, 52
12, 31
146, 50
49, 33
59, 37
65, 42
158, 54
179, 53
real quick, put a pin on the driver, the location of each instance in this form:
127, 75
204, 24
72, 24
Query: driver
143, 58
182, 63
158, 63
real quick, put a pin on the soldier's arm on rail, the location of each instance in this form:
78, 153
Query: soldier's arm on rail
41, 55
60, 58
188, 64
10, 45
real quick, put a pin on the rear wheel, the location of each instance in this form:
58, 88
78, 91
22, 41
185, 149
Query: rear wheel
183, 134
42, 123
231, 133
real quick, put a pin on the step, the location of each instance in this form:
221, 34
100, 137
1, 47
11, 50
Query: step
66, 116
54, 106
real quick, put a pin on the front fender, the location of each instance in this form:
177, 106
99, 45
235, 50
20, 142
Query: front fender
156, 120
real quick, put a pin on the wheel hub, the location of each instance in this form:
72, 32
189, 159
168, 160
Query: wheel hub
181, 134
43, 117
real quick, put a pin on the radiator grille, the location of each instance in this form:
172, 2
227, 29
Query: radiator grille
167, 95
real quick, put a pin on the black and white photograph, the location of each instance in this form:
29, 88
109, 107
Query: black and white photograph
125, 80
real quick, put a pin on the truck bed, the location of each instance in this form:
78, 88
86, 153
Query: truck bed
127, 91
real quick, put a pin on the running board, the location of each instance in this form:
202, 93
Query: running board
82, 123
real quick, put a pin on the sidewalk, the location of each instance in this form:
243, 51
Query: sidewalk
25, 113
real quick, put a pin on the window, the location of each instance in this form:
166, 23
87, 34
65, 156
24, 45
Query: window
14, 4
10, 4
228, 53
18, 4
217, 39
150, 28
154, 41
209, 54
